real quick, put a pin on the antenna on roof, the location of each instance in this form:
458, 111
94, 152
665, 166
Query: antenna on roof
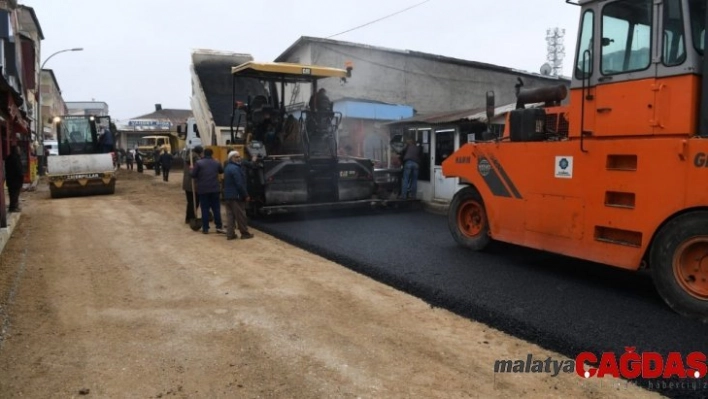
556, 50
546, 69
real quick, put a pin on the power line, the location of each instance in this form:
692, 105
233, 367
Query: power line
380, 19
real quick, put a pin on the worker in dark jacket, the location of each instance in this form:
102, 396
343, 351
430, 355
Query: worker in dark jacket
166, 163
187, 183
156, 160
235, 197
139, 161
411, 157
14, 177
206, 177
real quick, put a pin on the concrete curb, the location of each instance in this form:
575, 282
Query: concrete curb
13, 219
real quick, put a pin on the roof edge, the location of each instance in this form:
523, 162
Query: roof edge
33, 15
54, 78
419, 54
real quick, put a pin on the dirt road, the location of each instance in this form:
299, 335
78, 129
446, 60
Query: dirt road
115, 296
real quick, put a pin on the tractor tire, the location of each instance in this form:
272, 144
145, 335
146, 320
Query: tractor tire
678, 261
467, 219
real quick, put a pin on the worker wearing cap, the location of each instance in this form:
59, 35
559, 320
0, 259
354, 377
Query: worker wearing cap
206, 178
235, 197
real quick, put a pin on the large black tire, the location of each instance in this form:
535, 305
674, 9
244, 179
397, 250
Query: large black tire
467, 219
111, 189
678, 261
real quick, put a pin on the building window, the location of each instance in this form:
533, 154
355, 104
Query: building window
444, 145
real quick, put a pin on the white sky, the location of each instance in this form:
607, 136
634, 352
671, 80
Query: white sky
137, 52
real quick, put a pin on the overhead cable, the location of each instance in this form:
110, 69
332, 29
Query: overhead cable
380, 19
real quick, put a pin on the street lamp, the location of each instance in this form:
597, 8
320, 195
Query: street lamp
39, 102
59, 52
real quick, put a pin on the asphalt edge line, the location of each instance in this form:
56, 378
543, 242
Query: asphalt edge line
437, 299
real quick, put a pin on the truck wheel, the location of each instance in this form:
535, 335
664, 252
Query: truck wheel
679, 264
467, 219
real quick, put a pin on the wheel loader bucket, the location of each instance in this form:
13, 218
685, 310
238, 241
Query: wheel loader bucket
81, 175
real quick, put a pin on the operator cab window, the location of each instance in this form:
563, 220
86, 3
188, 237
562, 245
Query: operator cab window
697, 9
626, 36
584, 57
674, 47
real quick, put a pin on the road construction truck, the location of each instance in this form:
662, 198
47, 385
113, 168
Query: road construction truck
617, 176
298, 164
166, 141
214, 92
189, 133
81, 168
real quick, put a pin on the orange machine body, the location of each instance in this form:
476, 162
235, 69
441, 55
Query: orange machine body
604, 197
617, 176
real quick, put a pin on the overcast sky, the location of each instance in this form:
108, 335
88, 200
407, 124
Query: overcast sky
137, 52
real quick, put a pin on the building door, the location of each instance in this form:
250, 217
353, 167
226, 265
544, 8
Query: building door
444, 146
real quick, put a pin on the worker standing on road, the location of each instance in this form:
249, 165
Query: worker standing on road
14, 177
139, 161
411, 157
206, 175
187, 183
235, 197
166, 163
129, 158
156, 160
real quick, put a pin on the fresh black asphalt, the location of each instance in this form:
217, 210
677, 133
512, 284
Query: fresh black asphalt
562, 304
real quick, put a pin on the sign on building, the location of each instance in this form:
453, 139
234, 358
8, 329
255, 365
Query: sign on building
150, 124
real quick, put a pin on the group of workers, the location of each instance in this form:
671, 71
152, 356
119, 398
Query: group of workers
203, 190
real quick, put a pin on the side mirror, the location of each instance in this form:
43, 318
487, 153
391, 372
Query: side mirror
490, 106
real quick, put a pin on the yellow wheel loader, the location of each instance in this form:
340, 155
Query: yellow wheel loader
86, 164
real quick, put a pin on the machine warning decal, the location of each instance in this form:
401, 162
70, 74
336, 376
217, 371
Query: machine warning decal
484, 167
506, 178
564, 167
492, 179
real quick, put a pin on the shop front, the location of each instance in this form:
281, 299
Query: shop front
14, 130
439, 136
